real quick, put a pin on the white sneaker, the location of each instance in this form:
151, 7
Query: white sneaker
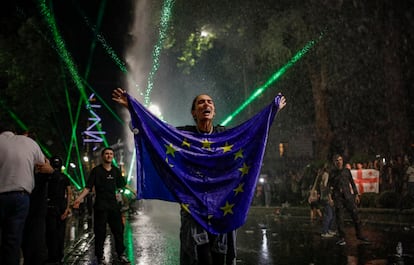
332, 233
341, 242
326, 235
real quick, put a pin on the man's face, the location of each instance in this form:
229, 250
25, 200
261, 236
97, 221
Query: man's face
339, 162
107, 156
204, 108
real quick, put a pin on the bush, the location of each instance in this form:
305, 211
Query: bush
369, 199
389, 199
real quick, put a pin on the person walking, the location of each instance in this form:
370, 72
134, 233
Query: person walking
106, 179
340, 181
327, 204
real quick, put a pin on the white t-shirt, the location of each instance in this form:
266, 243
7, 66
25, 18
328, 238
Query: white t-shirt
18, 156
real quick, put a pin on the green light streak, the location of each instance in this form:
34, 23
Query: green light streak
61, 47
73, 135
17, 120
23, 126
129, 240
72, 180
131, 167
66, 58
101, 38
93, 44
166, 14
270, 81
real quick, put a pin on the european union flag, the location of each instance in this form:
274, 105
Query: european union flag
212, 176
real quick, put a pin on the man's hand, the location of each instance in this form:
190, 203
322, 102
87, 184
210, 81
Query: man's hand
357, 199
44, 167
119, 95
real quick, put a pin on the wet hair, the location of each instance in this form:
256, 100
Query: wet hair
194, 103
106, 148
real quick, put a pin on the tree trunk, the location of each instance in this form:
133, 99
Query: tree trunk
323, 131
398, 133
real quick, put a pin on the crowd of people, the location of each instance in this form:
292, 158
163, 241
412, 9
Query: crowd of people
294, 186
36, 199
34, 192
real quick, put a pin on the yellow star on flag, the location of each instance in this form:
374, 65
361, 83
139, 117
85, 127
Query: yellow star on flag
170, 149
227, 208
239, 154
186, 207
166, 160
227, 147
186, 143
239, 189
206, 144
244, 170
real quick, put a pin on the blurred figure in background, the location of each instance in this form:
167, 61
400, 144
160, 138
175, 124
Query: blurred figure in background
58, 210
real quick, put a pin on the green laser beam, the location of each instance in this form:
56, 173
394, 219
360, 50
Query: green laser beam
24, 127
73, 125
72, 180
60, 45
93, 44
165, 18
270, 81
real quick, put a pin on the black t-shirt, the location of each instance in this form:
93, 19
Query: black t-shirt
342, 184
57, 195
106, 184
193, 128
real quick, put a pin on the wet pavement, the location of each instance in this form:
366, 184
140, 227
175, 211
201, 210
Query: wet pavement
151, 236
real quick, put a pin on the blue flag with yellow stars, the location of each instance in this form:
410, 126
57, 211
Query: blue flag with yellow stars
212, 176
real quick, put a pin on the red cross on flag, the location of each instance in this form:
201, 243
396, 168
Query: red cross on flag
366, 180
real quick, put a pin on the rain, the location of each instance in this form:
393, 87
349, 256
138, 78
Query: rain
345, 68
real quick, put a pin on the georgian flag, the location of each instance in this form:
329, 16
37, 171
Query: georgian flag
366, 180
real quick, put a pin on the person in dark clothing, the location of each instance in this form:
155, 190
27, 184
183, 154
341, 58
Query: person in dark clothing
58, 209
34, 247
106, 179
340, 181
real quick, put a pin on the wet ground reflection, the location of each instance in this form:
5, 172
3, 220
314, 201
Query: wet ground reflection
152, 238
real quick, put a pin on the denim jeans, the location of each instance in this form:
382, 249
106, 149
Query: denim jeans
328, 217
14, 207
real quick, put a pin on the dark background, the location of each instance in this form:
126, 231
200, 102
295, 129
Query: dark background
351, 92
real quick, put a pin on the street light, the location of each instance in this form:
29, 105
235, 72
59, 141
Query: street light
154, 109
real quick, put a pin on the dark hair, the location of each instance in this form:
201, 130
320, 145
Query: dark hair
336, 156
56, 162
106, 148
7, 127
